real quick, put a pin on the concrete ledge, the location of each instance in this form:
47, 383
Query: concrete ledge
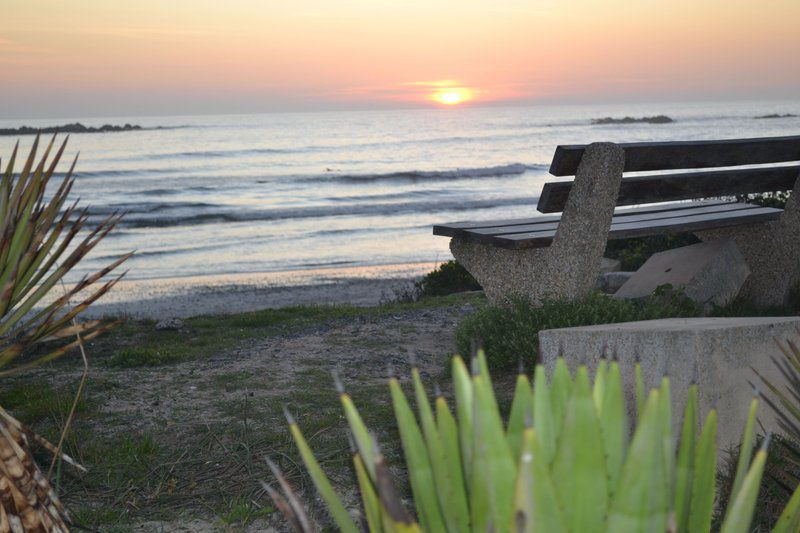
715, 353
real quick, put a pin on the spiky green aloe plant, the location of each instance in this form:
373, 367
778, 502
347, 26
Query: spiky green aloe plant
41, 243
563, 461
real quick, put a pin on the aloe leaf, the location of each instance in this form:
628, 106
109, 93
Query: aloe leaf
739, 514
667, 448
462, 385
372, 505
543, 418
641, 396
493, 470
448, 432
704, 479
745, 450
536, 508
560, 390
394, 517
614, 424
684, 474
579, 469
454, 509
420, 472
598, 392
340, 515
789, 521
521, 407
641, 501
358, 429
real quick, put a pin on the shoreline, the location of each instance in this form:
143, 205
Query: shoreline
184, 297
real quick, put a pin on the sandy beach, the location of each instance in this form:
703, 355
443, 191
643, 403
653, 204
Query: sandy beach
184, 297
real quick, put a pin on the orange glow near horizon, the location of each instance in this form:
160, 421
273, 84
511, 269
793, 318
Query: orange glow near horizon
452, 96
187, 56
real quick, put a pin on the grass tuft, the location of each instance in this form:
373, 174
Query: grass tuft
511, 333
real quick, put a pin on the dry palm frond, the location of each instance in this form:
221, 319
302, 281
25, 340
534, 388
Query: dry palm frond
27, 501
41, 240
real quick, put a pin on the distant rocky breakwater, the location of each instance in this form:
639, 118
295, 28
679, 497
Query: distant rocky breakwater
658, 119
76, 127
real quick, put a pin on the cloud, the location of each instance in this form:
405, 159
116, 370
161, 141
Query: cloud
151, 32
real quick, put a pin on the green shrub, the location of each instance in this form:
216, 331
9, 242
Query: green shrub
632, 253
447, 278
510, 334
768, 199
562, 462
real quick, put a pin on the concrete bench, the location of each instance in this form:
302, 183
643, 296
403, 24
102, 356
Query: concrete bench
558, 256
715, 353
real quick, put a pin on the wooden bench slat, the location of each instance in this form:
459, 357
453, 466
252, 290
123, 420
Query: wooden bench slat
465, 225
646, 156
683, 186
456, 228
624, 230
663, 215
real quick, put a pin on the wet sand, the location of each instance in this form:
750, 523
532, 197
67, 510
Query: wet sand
237, 293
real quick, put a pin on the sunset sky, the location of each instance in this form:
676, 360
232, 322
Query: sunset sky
99, 57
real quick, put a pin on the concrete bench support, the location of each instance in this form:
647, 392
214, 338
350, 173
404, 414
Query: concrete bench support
569, 267
715, 353
772, 251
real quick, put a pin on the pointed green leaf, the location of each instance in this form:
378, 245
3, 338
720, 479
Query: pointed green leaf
420, 472
641, 396
598, 393
579, 469
684, 476
739, 514
560, 390
462, 385
324, 488
789, 521
704, 480
543, 417
448, 431
453, 508
521, 409
641, 501
536, 508
493, 470
745, 450
372, 505
614, 424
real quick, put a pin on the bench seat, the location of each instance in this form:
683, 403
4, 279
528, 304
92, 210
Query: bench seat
538, 232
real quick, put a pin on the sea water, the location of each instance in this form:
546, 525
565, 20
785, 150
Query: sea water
211, 195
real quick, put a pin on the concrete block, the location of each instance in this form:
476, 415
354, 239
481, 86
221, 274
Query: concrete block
610, 282
715, 353
609, 265
709, 272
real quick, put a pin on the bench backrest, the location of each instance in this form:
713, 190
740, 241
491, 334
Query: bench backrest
652, 156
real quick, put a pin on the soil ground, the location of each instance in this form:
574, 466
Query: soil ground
175, 425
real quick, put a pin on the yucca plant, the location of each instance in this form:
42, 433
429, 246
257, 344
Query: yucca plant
41, 242
36, 253
566, 460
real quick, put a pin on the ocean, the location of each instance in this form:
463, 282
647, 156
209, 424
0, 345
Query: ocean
297, 192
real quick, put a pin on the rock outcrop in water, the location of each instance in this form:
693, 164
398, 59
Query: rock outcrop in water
777, 115
658, 119
77, 127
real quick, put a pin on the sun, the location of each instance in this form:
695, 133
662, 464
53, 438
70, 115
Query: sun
451, 96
